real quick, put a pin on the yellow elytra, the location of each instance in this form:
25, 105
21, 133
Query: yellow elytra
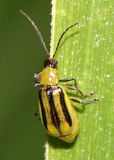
56, 110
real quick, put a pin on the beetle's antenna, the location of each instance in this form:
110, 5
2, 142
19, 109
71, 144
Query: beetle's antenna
62, 37
36, 29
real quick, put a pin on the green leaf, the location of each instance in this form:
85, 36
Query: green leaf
87, 54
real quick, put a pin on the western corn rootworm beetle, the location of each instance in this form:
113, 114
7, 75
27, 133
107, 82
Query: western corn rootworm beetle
56, 111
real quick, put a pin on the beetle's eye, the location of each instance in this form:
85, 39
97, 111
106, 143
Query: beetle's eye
50, 63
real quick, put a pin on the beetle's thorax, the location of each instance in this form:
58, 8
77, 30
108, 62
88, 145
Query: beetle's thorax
49, 74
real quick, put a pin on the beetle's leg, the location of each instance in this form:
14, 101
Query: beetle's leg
84, 102
37, 76
76, 90
75, 84
69, 79
37, 84
37, 113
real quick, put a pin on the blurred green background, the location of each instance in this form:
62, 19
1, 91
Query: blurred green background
21, 134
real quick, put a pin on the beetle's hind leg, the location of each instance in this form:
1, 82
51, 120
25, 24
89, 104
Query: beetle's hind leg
37, 113
84, 102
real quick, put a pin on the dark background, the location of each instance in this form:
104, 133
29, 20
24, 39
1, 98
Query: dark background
21, 134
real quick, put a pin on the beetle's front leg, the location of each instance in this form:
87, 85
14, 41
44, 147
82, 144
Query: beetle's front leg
69, 79
72, 87
37, 77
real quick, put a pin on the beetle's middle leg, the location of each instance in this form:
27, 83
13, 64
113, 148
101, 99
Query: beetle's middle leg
74, 88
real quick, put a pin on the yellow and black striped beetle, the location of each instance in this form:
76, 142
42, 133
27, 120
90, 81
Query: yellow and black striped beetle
56, 111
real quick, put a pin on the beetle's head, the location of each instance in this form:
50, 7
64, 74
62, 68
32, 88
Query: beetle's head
50, 63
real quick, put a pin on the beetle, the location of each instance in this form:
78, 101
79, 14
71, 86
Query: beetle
56, 110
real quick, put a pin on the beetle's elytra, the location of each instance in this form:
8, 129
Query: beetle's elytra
56, 110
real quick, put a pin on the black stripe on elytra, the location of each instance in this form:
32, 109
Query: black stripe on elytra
53, 112
42, 109
64, 107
